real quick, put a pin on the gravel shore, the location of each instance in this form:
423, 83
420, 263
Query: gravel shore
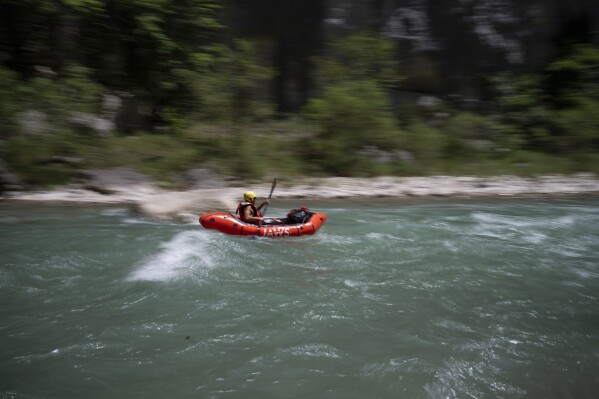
156, 202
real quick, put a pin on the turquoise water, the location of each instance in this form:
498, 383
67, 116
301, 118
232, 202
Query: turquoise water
430, 299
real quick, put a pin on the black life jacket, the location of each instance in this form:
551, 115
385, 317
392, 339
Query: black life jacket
242, 206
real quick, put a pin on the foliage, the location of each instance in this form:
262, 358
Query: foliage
354, 110
78, 88
574, 78
8, 107
427, 143
37, 158
359, 56
179, 63
523, 110
468, 125
57, 98
555, 111
579, 126
141, 47
348, 123
158, 156
223, 84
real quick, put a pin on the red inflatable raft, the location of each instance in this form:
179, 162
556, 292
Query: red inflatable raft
230, 224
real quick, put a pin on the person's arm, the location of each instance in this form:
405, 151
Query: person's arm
247, 214
266, 202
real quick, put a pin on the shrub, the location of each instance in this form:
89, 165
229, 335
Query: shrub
350, 116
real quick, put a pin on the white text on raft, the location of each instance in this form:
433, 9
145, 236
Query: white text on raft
275, 232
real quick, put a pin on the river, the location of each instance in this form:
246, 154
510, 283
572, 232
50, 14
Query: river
423, 299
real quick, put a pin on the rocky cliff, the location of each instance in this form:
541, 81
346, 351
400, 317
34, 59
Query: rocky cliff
447, 47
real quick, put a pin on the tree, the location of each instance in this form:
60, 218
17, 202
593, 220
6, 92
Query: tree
354, 110
555, 110
224, 82
136, 46
574, 78
360, 56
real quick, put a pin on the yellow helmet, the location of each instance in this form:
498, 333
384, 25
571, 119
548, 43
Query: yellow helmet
249, 196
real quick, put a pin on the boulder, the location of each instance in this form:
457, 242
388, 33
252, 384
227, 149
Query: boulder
405, 156
93, 122
8, 180
201, 178
32, 121
377, 155
116, 180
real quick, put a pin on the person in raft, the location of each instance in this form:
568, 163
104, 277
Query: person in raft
248, 211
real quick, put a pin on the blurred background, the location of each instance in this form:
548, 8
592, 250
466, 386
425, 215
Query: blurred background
252, 89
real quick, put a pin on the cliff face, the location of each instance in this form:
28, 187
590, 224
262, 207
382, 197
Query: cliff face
466, 39
446, 46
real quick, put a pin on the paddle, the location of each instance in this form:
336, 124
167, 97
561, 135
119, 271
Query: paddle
274, 184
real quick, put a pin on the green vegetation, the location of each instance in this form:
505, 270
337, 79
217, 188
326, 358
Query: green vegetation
188, 95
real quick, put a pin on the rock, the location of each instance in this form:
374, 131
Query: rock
45, 71
137, 191
201, 178
116, 180
110, 106
57, 159
412, 25
405, 156
481, 145
8, 180
96, 123
32, 121
429, 102
377, 155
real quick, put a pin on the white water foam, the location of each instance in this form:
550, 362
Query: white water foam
315, 350
519, 222
177, 256
502, 220
535, 238
141, 221
335, 239
115, 212
127, 218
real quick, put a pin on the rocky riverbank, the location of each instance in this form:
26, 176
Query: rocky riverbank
148, 198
